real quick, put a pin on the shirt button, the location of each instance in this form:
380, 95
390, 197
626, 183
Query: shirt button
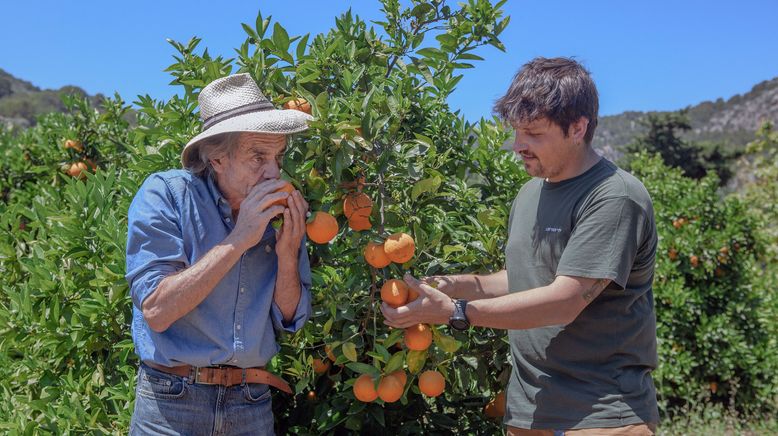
242, 290
227, 219
238, 327
267, 248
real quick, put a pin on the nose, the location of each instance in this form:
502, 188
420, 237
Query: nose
272, 170
519, 145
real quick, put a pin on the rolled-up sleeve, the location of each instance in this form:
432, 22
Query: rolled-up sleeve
155, 246
303, 311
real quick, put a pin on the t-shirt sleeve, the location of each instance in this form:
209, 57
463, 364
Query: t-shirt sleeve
604, 241
155, 245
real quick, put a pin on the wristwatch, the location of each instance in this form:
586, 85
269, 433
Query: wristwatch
458, 320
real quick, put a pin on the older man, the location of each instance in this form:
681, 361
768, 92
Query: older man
211, 281
576, 292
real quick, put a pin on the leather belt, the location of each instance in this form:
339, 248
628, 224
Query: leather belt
224, 376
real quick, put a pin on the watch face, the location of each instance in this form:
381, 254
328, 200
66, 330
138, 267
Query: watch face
459, 324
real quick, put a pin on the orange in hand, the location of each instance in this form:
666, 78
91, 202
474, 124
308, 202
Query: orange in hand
288, 188
394, 292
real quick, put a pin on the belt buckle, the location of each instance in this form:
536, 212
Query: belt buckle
199, 381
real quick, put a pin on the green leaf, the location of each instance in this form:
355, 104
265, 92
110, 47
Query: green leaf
251, 32
447, 343
280, 38
430, 185
416, 360
364, 368
350, 351
395, 362
302, 45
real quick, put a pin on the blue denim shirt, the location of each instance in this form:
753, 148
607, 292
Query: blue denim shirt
175, 219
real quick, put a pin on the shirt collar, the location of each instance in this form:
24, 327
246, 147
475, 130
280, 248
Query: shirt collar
217, 196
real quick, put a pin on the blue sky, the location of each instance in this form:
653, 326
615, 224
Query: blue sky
647, 55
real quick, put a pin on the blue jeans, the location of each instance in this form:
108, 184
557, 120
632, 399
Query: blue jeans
167, 404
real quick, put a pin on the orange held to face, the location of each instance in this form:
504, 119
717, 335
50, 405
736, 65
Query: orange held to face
375, 256
399, 247
288, 188
298, 104
390, 389
322, 227
432, 383
364, 389
394, 292
418, 337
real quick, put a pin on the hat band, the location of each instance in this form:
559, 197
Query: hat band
234, 112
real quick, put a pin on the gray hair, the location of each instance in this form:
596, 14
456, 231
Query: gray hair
214, 147
559, 89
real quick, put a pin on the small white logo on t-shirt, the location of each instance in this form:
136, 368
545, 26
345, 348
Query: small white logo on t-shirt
553, 230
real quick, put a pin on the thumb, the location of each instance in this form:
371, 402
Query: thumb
420, 287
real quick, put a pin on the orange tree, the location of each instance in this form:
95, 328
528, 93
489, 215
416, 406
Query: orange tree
716, 310
383, 129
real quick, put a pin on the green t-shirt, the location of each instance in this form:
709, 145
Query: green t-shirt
595, 371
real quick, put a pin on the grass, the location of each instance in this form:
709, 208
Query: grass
715, 420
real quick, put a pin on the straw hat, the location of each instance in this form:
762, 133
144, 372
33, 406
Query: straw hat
235, 104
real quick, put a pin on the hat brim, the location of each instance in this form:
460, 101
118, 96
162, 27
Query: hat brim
275, 121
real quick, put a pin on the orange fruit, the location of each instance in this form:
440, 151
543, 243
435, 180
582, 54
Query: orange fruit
390, 389
311, 396
359, 224
432, 383
78, 169
714, 387
75, 145
496, 407
694, 260
394, 292
672, 254
364, 389
320, 366
321, 228
418, 337
357, 205
375, 256
412, 295
298, 104
400, 375
288, 188
399, 247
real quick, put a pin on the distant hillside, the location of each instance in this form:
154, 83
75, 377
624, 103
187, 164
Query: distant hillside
21, 102
731, 122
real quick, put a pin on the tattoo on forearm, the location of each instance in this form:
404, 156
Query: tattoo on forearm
594, 290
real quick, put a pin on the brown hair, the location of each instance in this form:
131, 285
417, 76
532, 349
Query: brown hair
559, 89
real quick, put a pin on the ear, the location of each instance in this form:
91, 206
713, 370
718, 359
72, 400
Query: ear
578, 129
219, 165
